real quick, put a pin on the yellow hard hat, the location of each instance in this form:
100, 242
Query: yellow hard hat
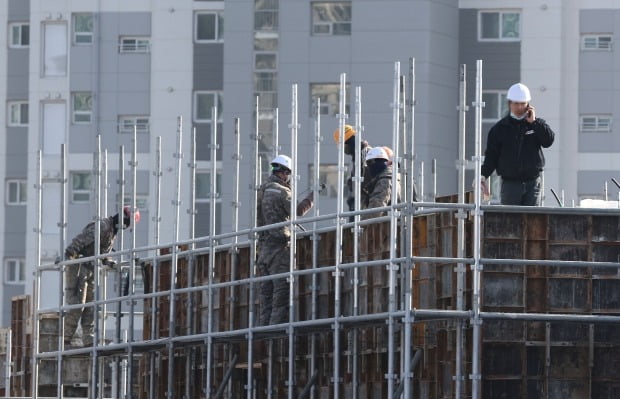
348, 133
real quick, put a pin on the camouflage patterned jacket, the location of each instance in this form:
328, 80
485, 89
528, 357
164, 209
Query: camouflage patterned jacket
274, 206
380, 192
83, 243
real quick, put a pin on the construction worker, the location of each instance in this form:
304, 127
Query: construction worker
514, 150
80, 278
379, 186
349, 149
274, 206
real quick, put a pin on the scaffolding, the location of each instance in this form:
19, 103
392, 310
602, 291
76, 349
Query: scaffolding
365, 320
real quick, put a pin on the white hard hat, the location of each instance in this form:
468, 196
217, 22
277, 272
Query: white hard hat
519, 92
377, 153
282, 160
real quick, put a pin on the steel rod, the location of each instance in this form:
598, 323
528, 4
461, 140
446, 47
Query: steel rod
37, 277
315, 236
118, 370
63, 242
357, 180
94, 382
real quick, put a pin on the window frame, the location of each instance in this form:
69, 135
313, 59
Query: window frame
80, 190
20, 273
219, 96
219, 16
500, 30
140, 127
597, 37
75, 112
329, 24
333, 108
218, 183
137, 48
20, 25
75, 33
596, 128
22, 186
501, 101
9, 120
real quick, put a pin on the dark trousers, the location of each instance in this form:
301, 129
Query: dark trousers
521, 192
273, 294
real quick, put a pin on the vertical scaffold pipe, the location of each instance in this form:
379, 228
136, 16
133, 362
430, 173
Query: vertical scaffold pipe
357, 231
37, 278
212, 242
234, 250
63, 238
434, 180
132, 259
422, 196
460, 277
154, 300
393, 267
406, 375
253, 238
189, 376
120, 388
97, 263
174, 261
477, 321
293, 246
276, 136
342, 117
102, 273
315, 237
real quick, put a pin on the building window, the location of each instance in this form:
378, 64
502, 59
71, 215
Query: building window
595, 123
20, 35
331, 18
329, 94
203, 105
495, 105
596, 42
82, 107
18, 113
141, 201
499, 25
203, 186
265, 61
209, 27
80, 186
266, 15
328, 175
54, 50
16, 192
15, 271
82, 28
134, 45
126, 124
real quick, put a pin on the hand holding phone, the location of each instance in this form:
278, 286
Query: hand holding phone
530, 114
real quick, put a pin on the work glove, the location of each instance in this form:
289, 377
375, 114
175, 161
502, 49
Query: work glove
484, 188
109, 263
57, 260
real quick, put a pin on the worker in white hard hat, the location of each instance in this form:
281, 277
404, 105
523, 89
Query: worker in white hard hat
274, 206
379, 186
514, 150
349, 149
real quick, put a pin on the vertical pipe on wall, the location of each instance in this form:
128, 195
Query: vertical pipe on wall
315, 236
293, 244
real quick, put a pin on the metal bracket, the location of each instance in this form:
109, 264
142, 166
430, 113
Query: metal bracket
460, 268
476, 104
462, 108
475, 377
461, 214
475, 322
456, 378
340, 274
391, 267
388, 376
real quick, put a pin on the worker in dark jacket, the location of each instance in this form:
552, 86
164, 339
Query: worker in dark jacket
514, 150
349, 149
379, 185
80, 278
274, 206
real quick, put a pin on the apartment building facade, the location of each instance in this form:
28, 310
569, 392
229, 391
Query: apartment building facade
74, 70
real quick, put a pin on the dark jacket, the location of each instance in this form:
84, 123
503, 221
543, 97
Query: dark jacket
514, 148
379, 192
84, 243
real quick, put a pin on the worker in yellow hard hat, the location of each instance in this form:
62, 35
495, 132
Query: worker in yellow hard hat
349, 149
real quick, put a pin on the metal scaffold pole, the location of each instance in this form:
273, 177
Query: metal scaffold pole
357, 232
174, 261
422, 196
393, 267
315, 236
253, 238
102, 273
338, 248
212, 242
37, 277
192, 262
477, 267
154, 281
234, 251
119, 389
132, 258
97, 265
62, 225
293, 246
461, 215
276, 135
406, 374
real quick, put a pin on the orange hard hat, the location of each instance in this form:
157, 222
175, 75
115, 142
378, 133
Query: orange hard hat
348, 133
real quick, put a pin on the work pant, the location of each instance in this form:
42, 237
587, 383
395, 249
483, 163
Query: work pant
516, 192
274, 294
79, 288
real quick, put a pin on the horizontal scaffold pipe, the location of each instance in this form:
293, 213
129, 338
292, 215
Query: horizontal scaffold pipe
553, 317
